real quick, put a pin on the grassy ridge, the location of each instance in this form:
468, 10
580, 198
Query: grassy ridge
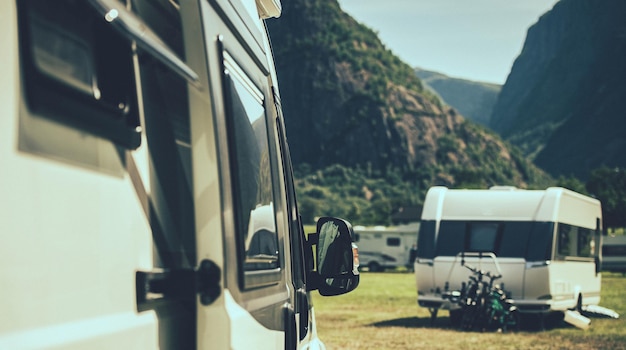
383, 314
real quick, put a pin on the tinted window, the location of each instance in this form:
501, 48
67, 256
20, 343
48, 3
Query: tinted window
575, 241
586, 242
482, 237
253, 197
451, 238
614, 250
393, 242
530, 240
566, 240
515, 237
426, 240
540, 241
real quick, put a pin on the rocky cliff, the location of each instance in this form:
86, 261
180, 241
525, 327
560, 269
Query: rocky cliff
563, 103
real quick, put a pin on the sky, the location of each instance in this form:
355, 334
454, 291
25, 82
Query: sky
470, 39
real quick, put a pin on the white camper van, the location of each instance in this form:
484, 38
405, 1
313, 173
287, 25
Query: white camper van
545, 244
147, 198
386, 247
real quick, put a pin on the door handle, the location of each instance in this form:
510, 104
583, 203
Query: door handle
156, 287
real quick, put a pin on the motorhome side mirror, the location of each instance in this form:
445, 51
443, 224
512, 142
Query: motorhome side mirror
337, 257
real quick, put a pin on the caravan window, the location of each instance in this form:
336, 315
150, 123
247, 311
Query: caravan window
540, 241
516, 239
567, 240
451, 238
482, 237
586, 242
426, 240
575, 241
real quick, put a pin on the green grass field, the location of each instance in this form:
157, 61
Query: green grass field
382, 313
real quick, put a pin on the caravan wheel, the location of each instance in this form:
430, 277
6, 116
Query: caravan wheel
374, 267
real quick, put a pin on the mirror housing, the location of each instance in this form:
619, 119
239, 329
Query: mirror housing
336, 258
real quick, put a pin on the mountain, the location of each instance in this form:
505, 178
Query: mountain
564, 100
362, 128
473, 99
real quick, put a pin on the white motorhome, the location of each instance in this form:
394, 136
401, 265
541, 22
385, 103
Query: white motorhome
386, 247
147, 198
545, 244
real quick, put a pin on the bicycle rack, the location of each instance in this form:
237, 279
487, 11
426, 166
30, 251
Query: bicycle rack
478, 255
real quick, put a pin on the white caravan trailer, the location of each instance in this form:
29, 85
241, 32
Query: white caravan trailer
545, 243
386, 247
141, 145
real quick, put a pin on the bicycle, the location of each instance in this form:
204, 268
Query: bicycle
484, 305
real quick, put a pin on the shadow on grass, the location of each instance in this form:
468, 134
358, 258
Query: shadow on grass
416, 322
529, 323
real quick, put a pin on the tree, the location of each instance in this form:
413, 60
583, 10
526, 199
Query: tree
308, 209
609, 186
572, 183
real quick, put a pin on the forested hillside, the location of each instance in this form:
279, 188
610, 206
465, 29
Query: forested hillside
473, 99
366, 138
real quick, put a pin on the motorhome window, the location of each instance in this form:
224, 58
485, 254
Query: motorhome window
78, 70
393, 242
253, 196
